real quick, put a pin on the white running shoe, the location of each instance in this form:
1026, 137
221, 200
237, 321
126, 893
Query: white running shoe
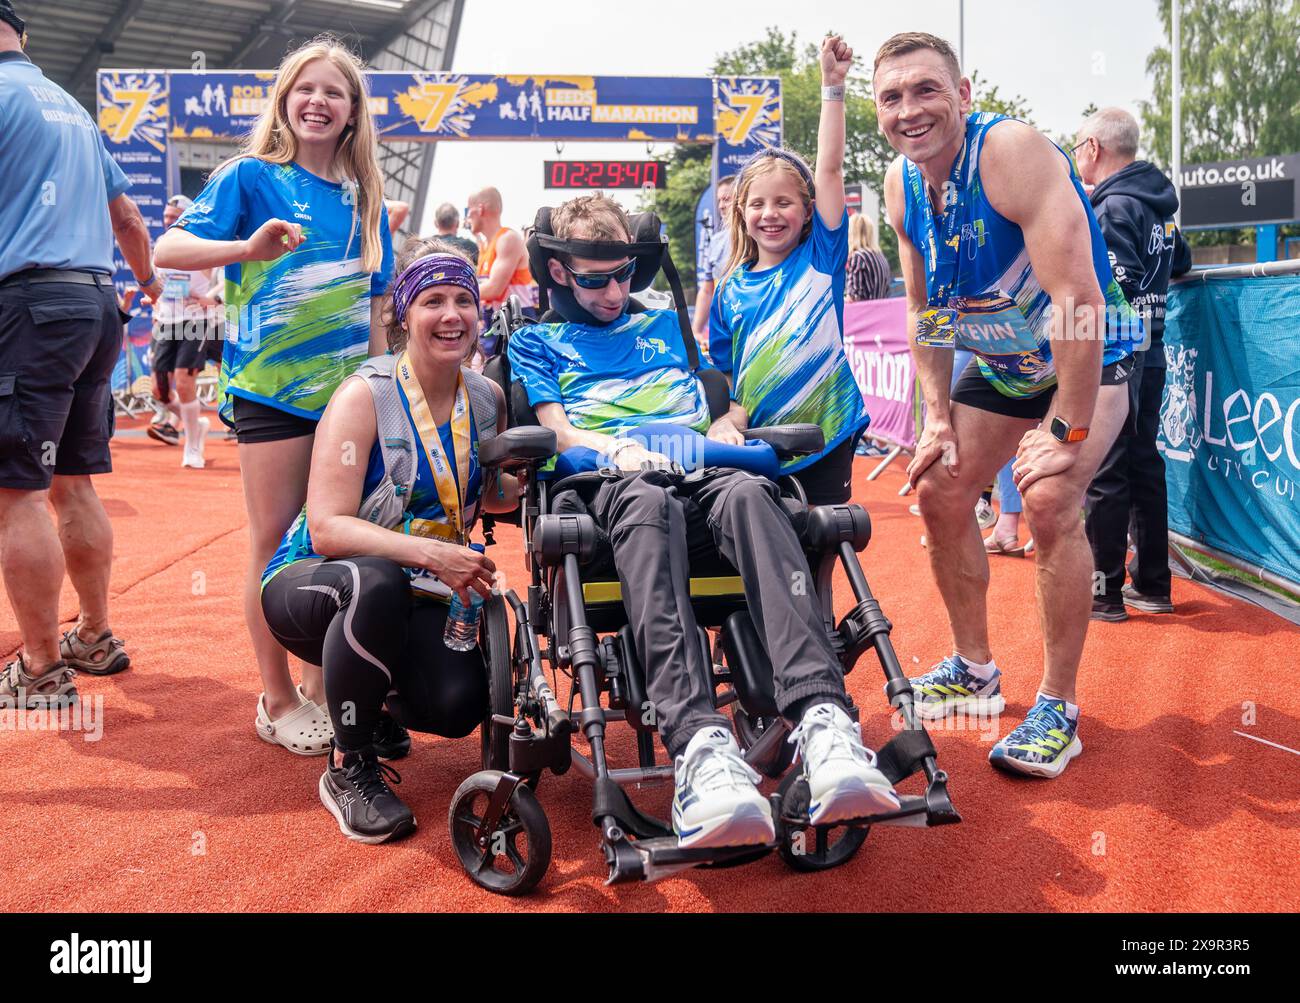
843, 781
984, 514
193, 454
716, 802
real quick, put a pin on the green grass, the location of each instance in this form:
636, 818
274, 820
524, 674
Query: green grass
1206, 561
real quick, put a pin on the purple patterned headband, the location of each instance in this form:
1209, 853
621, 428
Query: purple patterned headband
432, 270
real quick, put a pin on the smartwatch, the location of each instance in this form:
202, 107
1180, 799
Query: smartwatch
1063, 431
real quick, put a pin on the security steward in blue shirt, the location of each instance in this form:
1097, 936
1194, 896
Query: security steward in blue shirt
60, 335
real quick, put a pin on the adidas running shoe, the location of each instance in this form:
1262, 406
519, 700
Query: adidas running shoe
1042, 744
843, 781
950, 686
716, 802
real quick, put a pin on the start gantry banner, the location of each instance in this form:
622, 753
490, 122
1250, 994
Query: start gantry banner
460, 106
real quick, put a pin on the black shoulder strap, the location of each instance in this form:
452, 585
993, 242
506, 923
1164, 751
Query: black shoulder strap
679, 298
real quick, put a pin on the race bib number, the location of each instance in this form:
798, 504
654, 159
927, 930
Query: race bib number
994, 327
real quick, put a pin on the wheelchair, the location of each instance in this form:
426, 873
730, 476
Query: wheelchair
573, 623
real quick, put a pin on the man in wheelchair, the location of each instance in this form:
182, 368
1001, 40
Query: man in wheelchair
595, 377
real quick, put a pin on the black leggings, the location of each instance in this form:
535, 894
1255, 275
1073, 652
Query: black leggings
356, 617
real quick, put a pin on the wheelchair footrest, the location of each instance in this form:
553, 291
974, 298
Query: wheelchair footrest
609, 801
660, 857
902, 755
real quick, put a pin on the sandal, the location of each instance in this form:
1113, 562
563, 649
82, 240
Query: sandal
102, 657
993, 545
305, 730
52, 688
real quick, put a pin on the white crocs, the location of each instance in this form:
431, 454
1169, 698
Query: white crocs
305, 730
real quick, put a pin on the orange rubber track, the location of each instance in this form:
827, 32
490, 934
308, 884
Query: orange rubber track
179, 806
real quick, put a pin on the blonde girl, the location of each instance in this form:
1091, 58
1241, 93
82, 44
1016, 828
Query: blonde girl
776, 326
298, 221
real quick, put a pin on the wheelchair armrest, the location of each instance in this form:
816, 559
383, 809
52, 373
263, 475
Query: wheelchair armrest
516, 447
789, 440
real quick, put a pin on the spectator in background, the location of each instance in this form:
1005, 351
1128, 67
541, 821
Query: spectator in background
869, 274
713, 260
1134, 203
60, 336
503, 264
184, 330
446, 219
397, 216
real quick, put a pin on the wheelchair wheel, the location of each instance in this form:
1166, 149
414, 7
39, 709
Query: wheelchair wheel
517, 853
807, 847
749, 729
494, 639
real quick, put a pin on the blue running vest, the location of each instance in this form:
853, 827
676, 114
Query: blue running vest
1002, 313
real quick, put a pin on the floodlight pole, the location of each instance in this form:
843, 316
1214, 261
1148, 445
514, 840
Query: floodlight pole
961, 34
1176, 48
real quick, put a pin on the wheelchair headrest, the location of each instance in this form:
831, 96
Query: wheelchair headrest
646, 248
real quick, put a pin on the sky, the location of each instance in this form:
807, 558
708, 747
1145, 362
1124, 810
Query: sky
1059, 56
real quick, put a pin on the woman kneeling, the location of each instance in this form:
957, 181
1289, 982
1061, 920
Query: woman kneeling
346, 588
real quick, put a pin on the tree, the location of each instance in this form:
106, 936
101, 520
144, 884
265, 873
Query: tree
1240, 85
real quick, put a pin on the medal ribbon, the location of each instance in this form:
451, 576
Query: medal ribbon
941, 277
450, 490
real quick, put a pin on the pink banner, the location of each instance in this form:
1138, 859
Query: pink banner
875, 340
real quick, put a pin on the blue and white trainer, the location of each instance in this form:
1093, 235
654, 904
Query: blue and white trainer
950, 686
716, 802
1041, 745
843, 781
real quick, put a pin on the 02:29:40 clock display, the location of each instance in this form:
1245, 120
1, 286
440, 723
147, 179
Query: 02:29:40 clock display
605, 174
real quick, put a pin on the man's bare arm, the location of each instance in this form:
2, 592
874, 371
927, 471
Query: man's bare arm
1026, 179
132, 235
933, 365
510, 250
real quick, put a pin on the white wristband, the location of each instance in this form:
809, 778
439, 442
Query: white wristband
833, 92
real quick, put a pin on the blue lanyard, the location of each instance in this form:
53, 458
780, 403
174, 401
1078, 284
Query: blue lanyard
941, 276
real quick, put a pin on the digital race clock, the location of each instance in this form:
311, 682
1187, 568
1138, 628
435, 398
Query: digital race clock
605, 174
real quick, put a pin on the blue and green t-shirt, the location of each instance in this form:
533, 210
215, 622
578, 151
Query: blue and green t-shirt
425, 514
780, 332
297, 326
614, 378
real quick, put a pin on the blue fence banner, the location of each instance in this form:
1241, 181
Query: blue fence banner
1230, 417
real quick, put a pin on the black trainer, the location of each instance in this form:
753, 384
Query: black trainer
1146, 603
358, 796
391, 740
1114, 612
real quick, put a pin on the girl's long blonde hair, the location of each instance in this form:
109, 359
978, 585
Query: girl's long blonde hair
744, 249
272, 140
862, 234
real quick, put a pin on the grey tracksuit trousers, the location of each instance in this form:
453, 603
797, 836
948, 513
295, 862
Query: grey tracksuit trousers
656, 524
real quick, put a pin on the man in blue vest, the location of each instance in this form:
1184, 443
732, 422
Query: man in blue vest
1002, 256
60, 334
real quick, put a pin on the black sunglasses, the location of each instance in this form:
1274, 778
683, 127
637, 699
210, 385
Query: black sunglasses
599, 280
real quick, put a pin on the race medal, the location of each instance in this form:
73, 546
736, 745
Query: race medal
936, 328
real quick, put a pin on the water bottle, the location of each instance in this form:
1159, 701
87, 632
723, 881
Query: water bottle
462, 621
